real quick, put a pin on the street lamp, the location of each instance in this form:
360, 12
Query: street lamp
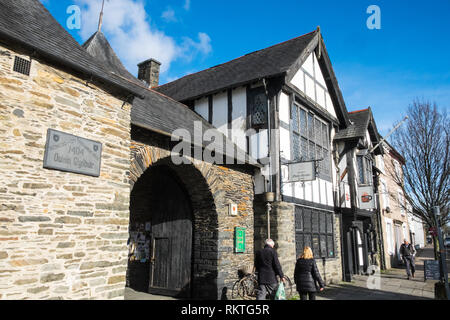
269, 197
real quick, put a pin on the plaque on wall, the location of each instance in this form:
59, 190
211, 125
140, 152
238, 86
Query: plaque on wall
66, 152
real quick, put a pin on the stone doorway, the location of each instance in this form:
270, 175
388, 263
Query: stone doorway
161, 235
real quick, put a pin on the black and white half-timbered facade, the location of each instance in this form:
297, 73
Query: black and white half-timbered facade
357, 147
283, 106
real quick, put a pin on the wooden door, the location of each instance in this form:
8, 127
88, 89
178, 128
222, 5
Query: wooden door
171, 234
398, 242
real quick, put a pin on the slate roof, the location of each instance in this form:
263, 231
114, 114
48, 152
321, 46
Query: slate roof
265, 63
98, 46
362, 121
29, 24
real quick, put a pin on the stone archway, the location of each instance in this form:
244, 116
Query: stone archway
198, 182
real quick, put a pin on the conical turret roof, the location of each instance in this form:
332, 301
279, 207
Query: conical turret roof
98, 47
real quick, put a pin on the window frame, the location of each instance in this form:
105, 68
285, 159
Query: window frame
252, 93
310, 138
306, 237
366, 170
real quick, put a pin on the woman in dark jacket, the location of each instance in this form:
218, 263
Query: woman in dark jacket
306, 275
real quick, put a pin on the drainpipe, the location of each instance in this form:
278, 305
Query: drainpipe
380, 228
269, 136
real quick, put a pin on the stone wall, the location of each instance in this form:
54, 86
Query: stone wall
62, 235
211, 189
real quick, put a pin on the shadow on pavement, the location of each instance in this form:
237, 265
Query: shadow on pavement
352, 292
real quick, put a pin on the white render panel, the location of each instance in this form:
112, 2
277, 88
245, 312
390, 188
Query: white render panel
286, 187
299, 191
315, 191
309, 88
285, 143
220, 112
308, 65
318, 72
284, 108
201, 107
329, 187
308, 191
330, 106
323, 192
298, 80
320, 96
259, 144
239, 115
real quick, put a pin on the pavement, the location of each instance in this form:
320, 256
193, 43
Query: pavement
131, 294
388, 285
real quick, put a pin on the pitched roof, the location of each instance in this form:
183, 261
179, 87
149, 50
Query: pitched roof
268, 62
29, 24
362, 121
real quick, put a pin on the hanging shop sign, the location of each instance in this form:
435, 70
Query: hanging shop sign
366, 198
66, 152
239, 240
302, 171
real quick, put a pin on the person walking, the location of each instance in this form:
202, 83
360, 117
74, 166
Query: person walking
306, 275
268, 267
407, 253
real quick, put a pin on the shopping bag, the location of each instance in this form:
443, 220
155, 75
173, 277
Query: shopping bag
281, 294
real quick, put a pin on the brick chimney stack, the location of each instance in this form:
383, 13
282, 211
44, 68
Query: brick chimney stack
149, 72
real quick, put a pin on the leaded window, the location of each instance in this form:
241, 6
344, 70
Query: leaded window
310, 139
258, 107
314, 228
364, 165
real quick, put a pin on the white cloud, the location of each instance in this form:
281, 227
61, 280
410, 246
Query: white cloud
169, 15
134, 37
191, 48
187, 5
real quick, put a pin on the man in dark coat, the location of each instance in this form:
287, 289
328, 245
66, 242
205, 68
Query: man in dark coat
407, 252
268, 267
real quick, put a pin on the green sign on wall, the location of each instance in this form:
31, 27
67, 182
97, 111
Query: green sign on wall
239, 240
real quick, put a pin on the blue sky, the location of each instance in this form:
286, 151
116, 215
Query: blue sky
386, 69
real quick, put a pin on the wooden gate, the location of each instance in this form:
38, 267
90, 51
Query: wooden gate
171, 236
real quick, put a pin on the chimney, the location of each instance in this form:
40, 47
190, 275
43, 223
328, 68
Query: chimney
149, 72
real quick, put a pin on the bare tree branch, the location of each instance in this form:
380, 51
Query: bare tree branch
424, 144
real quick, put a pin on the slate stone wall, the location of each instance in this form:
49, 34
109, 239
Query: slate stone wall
62, 235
